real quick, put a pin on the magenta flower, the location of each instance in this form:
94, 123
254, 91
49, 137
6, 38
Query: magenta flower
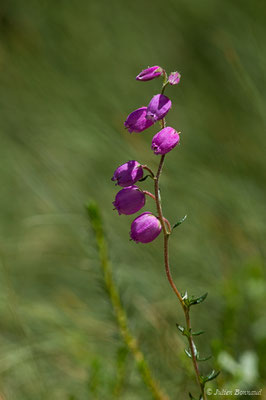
165, 140
127, 174
149, 73
137, 121
158, 107
145, 228
129, 200
174, 78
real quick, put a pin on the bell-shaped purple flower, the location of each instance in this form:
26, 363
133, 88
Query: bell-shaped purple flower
149, 73
174, 78
158, 107
129, 200
137, 121
145, 228
128, 173
165, 140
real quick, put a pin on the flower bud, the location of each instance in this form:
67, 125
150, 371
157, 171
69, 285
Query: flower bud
137, 121
165, 140
145, 228
129, 200
128, 173
158, 107
149, 73
174, 78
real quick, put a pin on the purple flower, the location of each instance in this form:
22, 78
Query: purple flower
145, 228
158, 107
128, 173
129, 200
165, 140
174, 78
149, 73
137, 121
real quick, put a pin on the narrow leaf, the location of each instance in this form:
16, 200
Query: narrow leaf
195, 349
212, 375
197, 333
185, 296
203, 358
184, 331
144, 178
179, 222
180, 328
198, 300
209, 377
188, 353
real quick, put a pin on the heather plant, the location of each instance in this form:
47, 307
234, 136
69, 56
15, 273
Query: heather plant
147, 226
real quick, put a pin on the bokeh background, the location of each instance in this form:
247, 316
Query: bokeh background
67, 83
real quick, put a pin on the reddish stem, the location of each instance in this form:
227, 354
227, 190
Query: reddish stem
169, 275
148, 194
166, 234
148, 169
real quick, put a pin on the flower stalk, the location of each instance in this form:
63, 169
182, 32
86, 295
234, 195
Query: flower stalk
146, 227
167, 265
170, 279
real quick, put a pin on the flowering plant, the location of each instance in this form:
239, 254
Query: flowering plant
146, 227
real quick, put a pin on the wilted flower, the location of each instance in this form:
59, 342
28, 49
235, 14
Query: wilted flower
158, 107
165, 140
149, 73
129, 200
174, 78
137, 121
145, 228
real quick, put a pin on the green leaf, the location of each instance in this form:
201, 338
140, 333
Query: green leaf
144, 178
180, 222
191, 397
197, 333
188, 353
203, 358
198, 300
182, 330
212, 375
185, 296
191, 300
195, 349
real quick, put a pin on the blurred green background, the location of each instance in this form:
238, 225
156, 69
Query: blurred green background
67, 83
